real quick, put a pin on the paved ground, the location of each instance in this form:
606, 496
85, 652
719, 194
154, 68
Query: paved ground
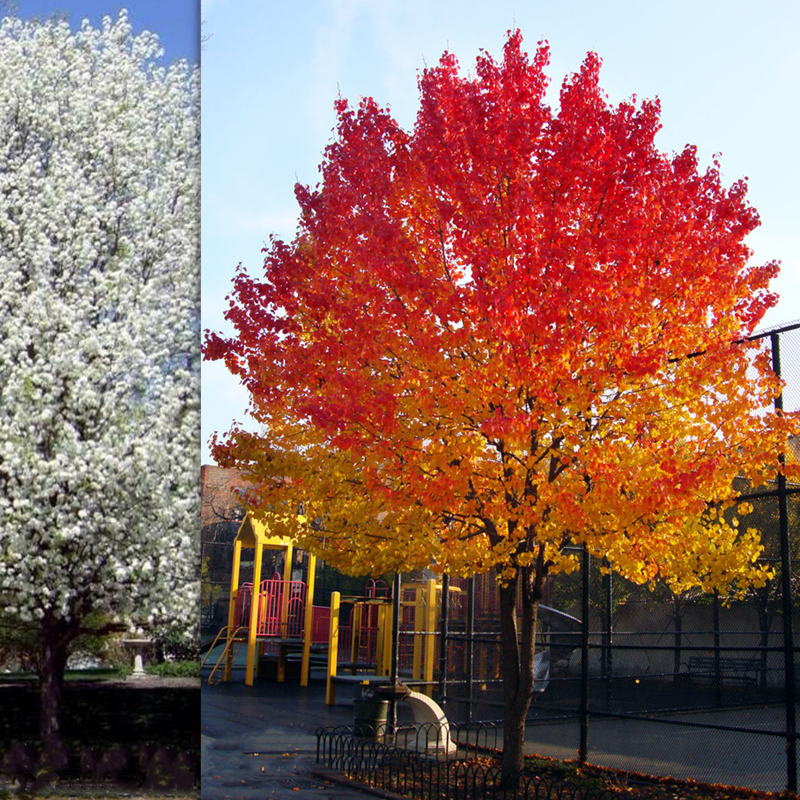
755, 761
258, 741
149, 682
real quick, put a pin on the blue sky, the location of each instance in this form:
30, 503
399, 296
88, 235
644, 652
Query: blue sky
727, 73
175, 21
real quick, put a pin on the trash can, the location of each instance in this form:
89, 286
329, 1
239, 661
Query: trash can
369, 712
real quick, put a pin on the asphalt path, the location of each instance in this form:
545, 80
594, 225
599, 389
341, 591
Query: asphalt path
676, 745
258, 741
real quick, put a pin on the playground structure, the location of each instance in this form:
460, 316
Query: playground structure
354, 645
362, 643
277, 615
352, 638
362, 647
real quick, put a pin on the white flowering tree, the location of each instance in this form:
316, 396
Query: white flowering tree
99, 335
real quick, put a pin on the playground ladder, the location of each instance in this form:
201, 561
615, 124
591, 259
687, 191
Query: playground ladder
232, 644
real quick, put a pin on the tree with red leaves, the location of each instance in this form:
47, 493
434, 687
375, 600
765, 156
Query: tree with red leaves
481, 349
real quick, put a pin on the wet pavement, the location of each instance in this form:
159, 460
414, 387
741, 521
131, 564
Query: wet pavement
258, 741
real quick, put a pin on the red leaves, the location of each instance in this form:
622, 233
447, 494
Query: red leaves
489, 318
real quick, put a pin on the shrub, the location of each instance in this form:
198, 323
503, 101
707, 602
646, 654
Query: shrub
172, 645
175, 669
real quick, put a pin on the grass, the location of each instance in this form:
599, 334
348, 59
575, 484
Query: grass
69, 676
169, 669
175, 669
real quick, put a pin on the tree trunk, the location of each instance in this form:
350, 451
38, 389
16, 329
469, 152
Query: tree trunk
518, 671
53, 661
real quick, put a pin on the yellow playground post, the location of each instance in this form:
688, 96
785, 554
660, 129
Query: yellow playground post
273, 610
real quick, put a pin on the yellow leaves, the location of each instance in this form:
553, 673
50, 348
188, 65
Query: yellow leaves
566, 564
633, 484
612, 444
525, 559
707, 550
506, 574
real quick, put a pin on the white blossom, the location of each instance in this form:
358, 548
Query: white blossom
99, 324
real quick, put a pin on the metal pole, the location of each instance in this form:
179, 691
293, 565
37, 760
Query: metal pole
677, 638
444, 630
584, 743
470, 643
717, 657
396, 589
786, 565
607, 657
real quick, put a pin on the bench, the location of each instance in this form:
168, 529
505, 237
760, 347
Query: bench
731, 669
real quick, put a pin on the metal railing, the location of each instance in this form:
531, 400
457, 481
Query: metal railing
401, 762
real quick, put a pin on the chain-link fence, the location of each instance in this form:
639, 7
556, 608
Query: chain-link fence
687, 685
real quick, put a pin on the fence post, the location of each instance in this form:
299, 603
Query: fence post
584, 744
470, 644
717, 657
444, 630
607, 638
786, 565
397, 590
677, 618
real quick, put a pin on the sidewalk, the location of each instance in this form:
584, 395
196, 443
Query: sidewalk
258, 741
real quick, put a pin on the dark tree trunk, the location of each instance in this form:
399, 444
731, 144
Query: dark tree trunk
56, 637
518, 647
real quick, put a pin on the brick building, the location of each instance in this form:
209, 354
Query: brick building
221, 513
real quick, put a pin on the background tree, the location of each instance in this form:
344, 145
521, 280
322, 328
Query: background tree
99, 214
480, 348
19, 644
221, 515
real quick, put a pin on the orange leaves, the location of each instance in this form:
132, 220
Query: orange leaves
513, 325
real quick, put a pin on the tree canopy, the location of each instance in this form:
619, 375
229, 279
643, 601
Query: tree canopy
481, 346
99, 350
513, 330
